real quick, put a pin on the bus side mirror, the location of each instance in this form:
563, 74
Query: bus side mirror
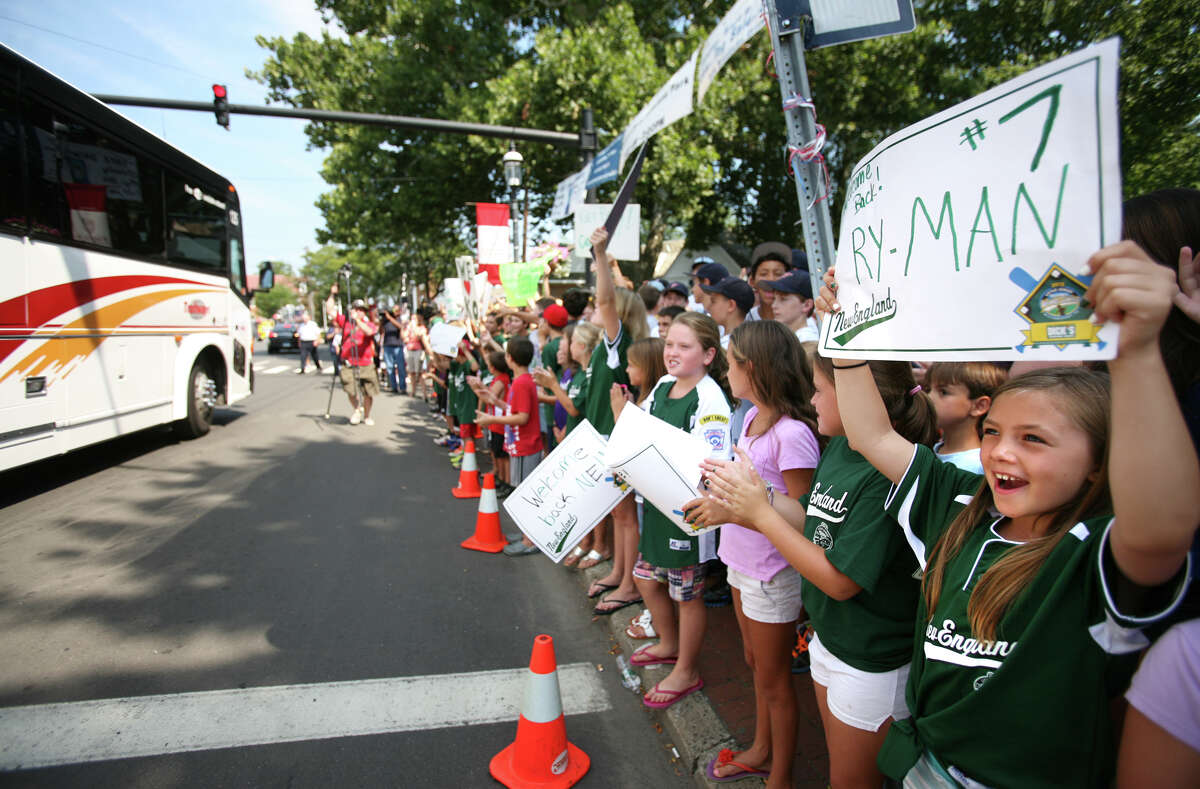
266, 278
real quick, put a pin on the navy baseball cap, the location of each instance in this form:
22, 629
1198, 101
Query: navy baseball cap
738, 290
678, 287
713, 272
795, 281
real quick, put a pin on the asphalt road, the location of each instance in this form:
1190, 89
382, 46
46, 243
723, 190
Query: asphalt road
286, 550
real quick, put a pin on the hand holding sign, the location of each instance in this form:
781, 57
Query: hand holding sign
737, 488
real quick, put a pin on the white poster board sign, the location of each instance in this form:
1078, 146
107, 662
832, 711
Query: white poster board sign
672, 102
570, 193
965, 237
625, 244
444, 338
659, 461
737, 27
481, 295
455, 293
566, 495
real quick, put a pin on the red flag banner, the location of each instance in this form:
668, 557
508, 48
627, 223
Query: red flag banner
495, 243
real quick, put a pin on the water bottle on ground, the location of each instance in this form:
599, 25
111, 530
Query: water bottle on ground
630, 680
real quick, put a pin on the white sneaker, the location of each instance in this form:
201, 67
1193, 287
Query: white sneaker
368, 421
356, 417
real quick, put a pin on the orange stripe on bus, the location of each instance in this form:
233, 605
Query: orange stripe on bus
60, 355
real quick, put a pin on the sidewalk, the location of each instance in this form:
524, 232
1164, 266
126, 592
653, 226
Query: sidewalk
722, 715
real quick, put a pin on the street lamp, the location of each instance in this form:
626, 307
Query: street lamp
513, 162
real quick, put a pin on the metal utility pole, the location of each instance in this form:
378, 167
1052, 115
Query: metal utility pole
587, 143
789, 22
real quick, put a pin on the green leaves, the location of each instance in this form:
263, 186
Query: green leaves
718, 176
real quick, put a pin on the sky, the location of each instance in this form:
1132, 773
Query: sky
177, 51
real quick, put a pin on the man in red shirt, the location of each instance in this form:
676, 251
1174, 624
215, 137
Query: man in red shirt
358, 361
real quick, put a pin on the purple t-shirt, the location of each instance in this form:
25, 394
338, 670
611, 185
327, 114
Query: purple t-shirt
788, 444
1166, 688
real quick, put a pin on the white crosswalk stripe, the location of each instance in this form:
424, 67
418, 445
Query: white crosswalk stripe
48, 735
278, 370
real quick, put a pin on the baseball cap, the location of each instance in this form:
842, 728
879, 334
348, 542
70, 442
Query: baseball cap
358, 304
799, 259
738, 290
556, 315
773, 250
678, 287
713, 272
796, 281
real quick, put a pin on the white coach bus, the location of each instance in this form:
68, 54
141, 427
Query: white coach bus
123, 296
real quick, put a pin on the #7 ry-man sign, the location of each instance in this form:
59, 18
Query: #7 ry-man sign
966, 236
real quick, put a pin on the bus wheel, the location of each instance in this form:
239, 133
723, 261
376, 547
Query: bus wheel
202, 399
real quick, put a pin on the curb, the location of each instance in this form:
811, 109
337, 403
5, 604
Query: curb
693, 725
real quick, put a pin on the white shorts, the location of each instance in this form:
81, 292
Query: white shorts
862, 699
773, 602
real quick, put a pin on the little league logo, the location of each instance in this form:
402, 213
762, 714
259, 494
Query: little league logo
822, 537
1055, 307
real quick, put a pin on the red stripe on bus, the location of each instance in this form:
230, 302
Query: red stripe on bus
36, 308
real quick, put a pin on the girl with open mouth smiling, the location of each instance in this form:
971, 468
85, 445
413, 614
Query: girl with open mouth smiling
1039, 576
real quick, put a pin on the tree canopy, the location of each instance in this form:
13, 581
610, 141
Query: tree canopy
717, 176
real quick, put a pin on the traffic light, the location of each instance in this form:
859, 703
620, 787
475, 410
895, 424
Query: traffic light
221, 105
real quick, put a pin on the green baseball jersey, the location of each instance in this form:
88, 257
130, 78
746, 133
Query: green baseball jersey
550, 356
577, 390
662, 543
606, 367
465, 401
1029, 709
704, 412
872, 631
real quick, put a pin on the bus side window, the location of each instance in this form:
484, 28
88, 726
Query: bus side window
12, 196
47, 206
237, 265
195, 224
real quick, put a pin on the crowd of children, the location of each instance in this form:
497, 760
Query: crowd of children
980, 554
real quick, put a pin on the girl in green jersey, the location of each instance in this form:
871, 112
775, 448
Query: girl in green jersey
693, 396
860, 592
621, 315
1040, 574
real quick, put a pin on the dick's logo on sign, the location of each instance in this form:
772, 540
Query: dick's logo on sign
197, 309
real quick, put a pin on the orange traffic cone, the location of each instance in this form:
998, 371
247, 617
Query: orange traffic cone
541, 755
468, 475
487, 536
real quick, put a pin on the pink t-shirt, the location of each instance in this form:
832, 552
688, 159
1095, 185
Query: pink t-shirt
788, 444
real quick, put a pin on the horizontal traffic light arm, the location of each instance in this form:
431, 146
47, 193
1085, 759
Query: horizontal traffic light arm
564, 139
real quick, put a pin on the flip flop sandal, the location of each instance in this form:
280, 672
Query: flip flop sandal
597, 589
598, 611
595, 557
641, 627
573, 557
726, 757
672, 695
642, 658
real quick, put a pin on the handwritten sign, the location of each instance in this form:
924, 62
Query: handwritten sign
966, 236
625, 244
672, 102
737, 27
444, 338
659, 461
454, 298
566, 495
520, 282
